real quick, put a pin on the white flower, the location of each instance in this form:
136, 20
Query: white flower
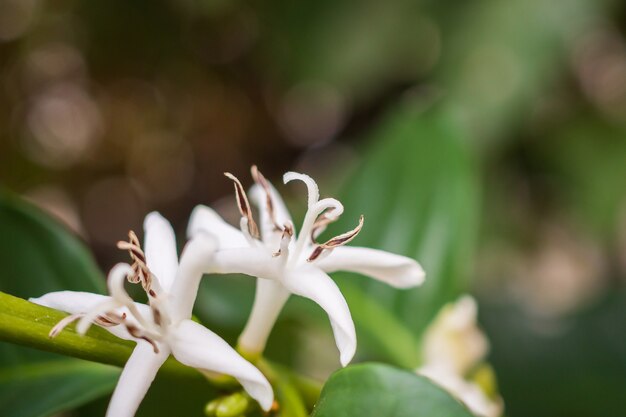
288, 265
467, 392
454, 340
164, 326
454, 346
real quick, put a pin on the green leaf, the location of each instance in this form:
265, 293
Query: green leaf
39, 255
495, 81
418, 189
45, 388
379, 390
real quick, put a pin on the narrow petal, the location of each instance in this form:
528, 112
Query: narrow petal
313, 283
138, 374
398, 271
194, 345
160, 248
73, 302
205, 219
256, 262
76, 302
194, 262
269, 300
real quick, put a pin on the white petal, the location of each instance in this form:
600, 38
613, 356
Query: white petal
138, 374
76, 302
270, 235
256, 262
454, 340
205, 219
311, 282
194, 262
194, 345
73, 302
160, 248
269, 300
398, 271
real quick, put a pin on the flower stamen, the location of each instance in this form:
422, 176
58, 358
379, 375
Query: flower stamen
137, 333
141, 272
322, 222
104, 320
262, 181
336, 241
244, 205
62, 324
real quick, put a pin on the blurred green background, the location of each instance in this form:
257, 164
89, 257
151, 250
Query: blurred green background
485, 138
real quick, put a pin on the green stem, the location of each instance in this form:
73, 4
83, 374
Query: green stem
28, 324
291, 401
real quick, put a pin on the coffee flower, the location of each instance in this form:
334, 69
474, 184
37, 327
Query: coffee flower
288, 264
164, 325
454, 349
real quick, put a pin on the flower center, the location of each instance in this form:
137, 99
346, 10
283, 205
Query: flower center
106, 313
320, 213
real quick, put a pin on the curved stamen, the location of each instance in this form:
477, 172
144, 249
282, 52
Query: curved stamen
323, 220
311, 185
119, 298
326, 204
244, 205
141, 272
110, 319
90, 317
336, 241
63, 324
262, 181
245, 230
139, 334
106, 320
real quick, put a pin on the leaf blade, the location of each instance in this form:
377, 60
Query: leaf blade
381, 390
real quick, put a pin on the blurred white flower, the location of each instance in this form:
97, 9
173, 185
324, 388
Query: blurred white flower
288, 265
454, 346
162, 327
470, 393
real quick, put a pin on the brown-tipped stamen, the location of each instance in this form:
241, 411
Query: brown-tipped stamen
284, 240
244, 205
336, 241
104, 320
141, 272
321, 223
62, 324
110, 319
262, 181
136, 332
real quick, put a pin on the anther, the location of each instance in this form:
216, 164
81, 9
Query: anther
262, 181
336, 241
244, 205
140, 268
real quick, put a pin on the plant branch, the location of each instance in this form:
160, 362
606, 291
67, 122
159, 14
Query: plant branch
28, 324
